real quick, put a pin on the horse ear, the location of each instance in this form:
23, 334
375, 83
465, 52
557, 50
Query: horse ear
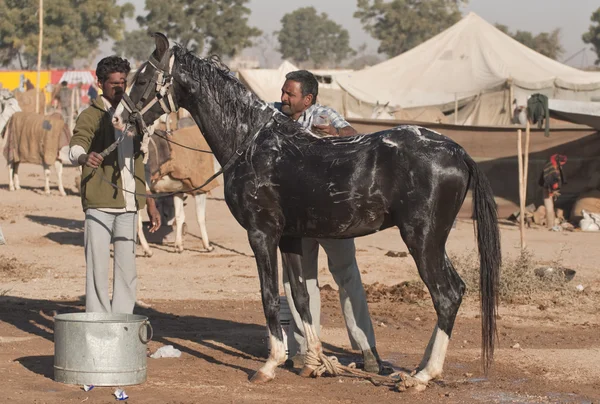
162, 45
386, 104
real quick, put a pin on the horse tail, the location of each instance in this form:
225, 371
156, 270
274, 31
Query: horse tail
490, 257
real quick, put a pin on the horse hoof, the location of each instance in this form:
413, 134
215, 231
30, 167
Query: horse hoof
410, 384
148, 254
210, 249
260, 378
306, 372
179, 249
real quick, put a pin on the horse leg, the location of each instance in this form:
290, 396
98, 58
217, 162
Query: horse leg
444, 284
264, 245
142, 237
58, 166
11, 175
179, 221
15, 176
291, 257
201, 217
46, 178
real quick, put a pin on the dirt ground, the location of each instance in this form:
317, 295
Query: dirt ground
208, 306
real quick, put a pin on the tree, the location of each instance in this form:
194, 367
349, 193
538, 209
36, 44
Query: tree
593, 35
546, 43
401, 25
136, 45
72, 29
219, 26
306, 36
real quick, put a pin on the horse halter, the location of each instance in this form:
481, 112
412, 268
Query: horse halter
162, 86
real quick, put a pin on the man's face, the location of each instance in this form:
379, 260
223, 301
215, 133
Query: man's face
114, 87
293, 104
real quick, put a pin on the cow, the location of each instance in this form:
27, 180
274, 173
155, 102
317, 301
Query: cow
8, 106
35, 139
175, 165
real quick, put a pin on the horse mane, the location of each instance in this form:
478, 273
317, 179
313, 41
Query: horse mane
241, 106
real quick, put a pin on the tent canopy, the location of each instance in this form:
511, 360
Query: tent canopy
465, 60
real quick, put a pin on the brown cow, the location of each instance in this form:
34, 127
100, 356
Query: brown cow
175, 168
35, 139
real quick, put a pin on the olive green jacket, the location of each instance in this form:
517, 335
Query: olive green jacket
94, 132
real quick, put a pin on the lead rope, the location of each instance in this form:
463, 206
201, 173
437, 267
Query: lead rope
321, 364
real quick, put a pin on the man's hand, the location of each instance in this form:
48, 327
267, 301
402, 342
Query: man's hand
92, 160
324, 130
153, 214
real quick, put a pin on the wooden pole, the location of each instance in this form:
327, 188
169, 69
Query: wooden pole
39, 61
71, 123
526, 159
521, 196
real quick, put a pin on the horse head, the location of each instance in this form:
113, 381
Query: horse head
152, 92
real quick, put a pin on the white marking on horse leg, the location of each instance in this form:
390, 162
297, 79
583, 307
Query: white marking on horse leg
277, 356
16, 175
59, 171
201, 216
433, 361
142, 237
179, 221
313, 343
11, 174
46, 179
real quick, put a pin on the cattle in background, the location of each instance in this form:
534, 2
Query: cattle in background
8, 106
178, 167
35, 139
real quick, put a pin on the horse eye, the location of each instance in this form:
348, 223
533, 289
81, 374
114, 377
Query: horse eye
142, 81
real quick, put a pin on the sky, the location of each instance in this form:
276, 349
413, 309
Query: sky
571, 16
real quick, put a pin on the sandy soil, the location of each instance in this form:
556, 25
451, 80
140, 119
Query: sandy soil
208, 305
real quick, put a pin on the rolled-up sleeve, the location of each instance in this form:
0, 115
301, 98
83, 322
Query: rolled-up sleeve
74, 153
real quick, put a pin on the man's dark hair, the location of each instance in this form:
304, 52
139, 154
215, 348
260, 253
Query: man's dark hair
110, 65
308, 82
64, 83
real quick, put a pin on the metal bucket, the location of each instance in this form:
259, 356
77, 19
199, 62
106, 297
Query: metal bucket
101, 349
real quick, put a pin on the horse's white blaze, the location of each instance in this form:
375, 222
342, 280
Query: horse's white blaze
435, 354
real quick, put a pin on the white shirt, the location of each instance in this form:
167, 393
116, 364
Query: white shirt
126, 163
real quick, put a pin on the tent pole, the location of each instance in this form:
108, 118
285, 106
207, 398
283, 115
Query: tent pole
39, 59
526, 160
455, 108
521, 196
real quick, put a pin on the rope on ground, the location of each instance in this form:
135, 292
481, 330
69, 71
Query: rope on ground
321, 364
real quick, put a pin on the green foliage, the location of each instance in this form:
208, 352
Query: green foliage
593, 35
72, 29
136, 45
306, 36
219, 26
401, 25
546, 43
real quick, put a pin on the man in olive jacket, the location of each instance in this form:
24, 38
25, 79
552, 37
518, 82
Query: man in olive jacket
113, 190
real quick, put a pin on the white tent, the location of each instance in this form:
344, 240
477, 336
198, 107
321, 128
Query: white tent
267, 83
463, 63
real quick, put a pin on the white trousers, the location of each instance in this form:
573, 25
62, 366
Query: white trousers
102, 228
341, 259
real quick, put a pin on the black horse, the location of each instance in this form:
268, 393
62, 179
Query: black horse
283, 183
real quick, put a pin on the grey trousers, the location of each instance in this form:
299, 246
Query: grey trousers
102, 228
341, 259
